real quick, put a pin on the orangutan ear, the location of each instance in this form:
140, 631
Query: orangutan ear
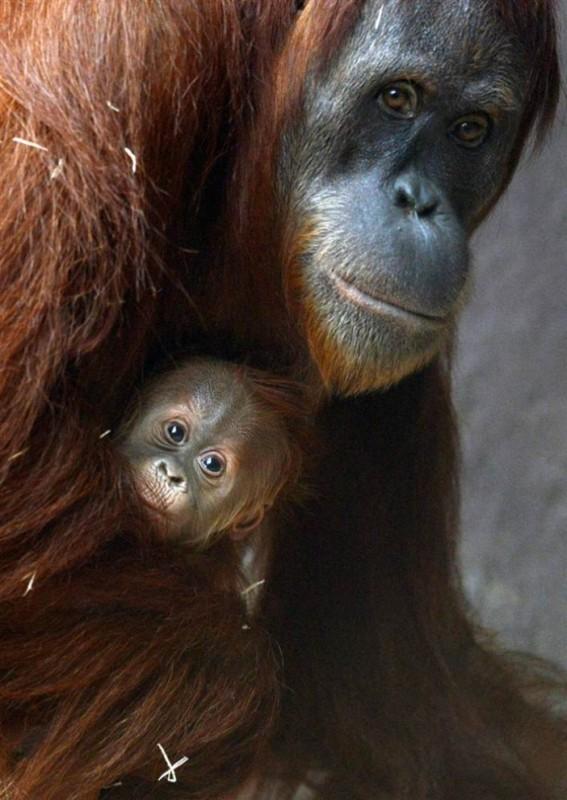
244, 526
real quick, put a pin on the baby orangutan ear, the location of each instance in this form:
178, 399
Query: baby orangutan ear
244, 526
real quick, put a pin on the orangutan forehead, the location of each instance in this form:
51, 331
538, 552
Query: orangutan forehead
443, 41
199, 384
217, 396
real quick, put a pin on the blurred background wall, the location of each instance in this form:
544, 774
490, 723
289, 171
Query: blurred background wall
511, 395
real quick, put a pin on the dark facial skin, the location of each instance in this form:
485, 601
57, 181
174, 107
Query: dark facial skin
205, 455
400, 153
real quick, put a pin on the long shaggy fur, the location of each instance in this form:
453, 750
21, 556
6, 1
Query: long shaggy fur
142, 223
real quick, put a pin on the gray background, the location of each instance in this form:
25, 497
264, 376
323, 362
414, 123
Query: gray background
511, 395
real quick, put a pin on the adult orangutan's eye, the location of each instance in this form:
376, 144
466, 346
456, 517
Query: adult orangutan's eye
176, 432
212, 464
400, 100
470, 131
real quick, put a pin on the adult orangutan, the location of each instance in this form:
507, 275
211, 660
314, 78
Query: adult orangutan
291, 185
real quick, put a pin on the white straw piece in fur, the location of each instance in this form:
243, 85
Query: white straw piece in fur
132, 156
170, 773
253, 587
28, 143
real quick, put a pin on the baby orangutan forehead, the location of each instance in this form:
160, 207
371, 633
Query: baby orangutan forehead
216, 396
192, 384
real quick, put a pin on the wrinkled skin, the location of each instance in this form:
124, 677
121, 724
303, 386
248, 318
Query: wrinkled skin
401, 151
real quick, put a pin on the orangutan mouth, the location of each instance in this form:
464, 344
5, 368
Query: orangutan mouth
379, 305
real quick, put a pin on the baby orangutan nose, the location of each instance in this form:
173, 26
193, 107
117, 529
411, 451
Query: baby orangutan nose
173, 474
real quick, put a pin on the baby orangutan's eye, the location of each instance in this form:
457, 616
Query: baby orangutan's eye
176, 432
212, 464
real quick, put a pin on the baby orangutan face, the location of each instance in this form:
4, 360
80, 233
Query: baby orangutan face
207, 454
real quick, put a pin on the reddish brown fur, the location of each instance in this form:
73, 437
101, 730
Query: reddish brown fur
84, 261
288, 400
118, 646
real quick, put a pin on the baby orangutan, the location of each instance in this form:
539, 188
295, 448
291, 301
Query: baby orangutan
211, 446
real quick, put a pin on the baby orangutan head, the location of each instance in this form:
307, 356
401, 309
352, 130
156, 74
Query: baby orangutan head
210, 448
